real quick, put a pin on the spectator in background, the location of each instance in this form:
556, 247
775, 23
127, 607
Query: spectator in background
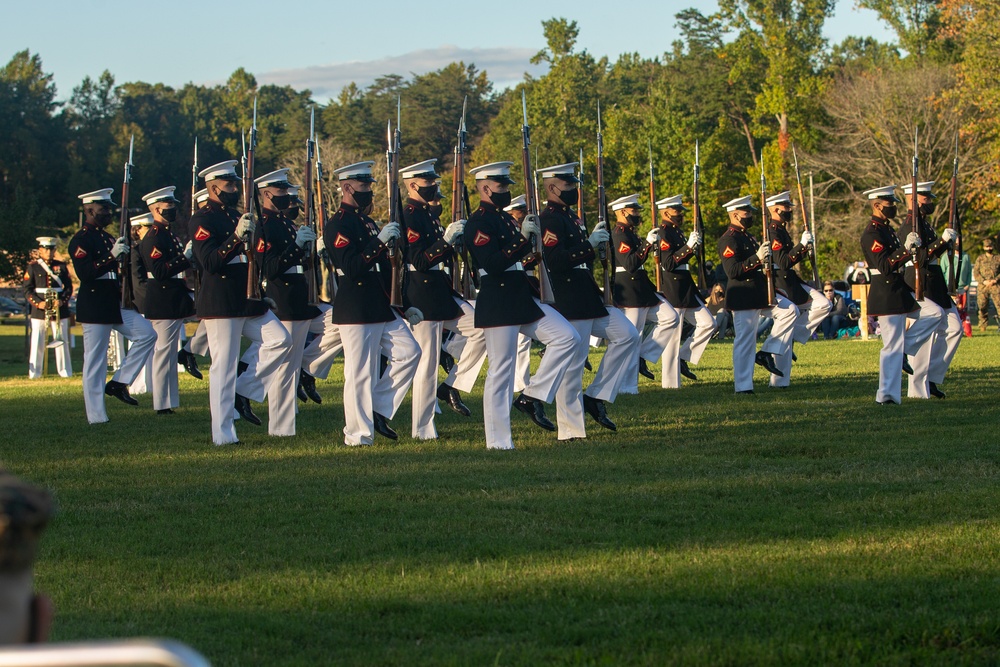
25, 510
858, 273
838, 317
962, 282
987, 271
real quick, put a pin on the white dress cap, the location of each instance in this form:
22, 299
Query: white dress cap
201, 195
97, 195
677, 201
423, 169
276, 179
740, 202
359, 171
144, 220
46, 241
922, 188
566, 172
224, 170
624, 202
885, 192
163, 194
780, 198
495, 171
517, 202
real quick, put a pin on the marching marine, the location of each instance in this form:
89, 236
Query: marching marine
48, 288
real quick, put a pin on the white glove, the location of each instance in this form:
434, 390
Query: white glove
119, 248
949, 235
763, 252
413, 316
652, 235
189, 250
454, 230
599, 235
807, 238
530, 226
304, 235
320, 245
246, 225
912, 240
694, 240
389, 232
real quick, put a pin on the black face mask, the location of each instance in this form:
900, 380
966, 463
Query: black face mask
229, 199
568, 197
102, 220
281, 202
292, 213
889, 211
427, 192
927, 209
363, 199
169, 214
500, 199
435, 210
634, 220
785, 216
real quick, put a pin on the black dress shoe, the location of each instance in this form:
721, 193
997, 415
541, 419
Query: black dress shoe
745, 391
242, 406
447, 362
534, 409
907, 368
241, 367
451, 396
767, 361
686, 372
165, 411
596, 409
190, 364
887, 401
300, 392
308, 384
934, 391
794, 357
644, 370
120, 391
586, 364
383, 364
382, 427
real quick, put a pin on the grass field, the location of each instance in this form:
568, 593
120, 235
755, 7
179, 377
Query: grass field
804, 526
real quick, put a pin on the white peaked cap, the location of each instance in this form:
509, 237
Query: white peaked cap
922, 188
359, 171
224, 170
495, 171
144, 220
97, 195
517, 202
163, 194
567, 172
625, 202
293, 190
740, 202
276, 179
677, 201
780, 198
423, 169
46, 241
201, 195
885, 192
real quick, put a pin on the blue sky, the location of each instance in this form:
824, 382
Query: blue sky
323, 45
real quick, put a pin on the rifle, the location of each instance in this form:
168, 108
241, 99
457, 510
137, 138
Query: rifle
194, 206
768, 269
806, 220
251, 204
313, 281
652, 214
461, 271
918, 283
699, 226
602, 212
392, 180
125, 231
330, 288
956, 224
531, 199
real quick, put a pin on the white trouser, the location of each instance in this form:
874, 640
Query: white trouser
784, 313
522, 367
922, 358
289, 371
223, 385
811, 315
135, 328
947, 337
897, 340
652, 345
558, 365
36, 360
143, 382
198, 344
365, 392
693, 348
164, 376
317, 360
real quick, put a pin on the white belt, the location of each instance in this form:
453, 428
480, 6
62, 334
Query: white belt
436, 267
620, 269
874, 272
295, 269
43, 290
110, 275
376, 268
239, 259
516, 266
177, 276
582, 266
682, 267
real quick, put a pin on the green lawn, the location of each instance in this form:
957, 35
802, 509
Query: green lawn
801, 526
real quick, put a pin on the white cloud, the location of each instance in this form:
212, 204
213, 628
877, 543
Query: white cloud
505, 67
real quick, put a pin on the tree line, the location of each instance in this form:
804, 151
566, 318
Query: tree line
754, 84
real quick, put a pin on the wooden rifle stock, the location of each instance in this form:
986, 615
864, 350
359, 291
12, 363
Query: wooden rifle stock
329, 291
313, 281
918, 281
772, 298
251, 205
125, 232
392, 190
657, 252
531, 199
955, 251
806, 222
602, 214
699, 225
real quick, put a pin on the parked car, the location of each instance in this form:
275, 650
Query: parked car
10, 307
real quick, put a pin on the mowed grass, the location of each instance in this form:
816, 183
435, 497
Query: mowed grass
800, 526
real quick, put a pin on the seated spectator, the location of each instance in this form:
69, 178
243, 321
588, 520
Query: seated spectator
837, 318
25, 510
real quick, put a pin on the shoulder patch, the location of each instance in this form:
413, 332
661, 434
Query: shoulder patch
260, 245
728, 252
549, 238
201, 234
877, 247
80, 253
341, 241
624, 248
481, 239
776, 245
664, 246
412, 235
156, 254
27, 276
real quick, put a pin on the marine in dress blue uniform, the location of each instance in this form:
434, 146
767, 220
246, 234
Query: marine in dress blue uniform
47, 274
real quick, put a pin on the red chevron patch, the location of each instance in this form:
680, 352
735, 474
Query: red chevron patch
549, 239
80, 253
624, 248
664, 246
260, 245
341, 241
877, 247
776, 245
202, 234
156, 254
728, 252
412, 236
480, 239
